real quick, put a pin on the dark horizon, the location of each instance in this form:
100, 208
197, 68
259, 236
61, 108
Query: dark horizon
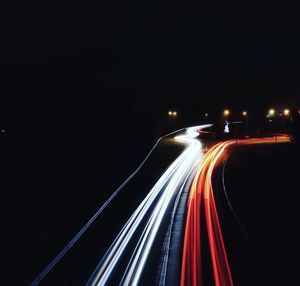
158, 56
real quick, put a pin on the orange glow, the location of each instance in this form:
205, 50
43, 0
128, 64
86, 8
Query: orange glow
202, 193
172, 113
272, 112
245, 113
286, 112
226, 112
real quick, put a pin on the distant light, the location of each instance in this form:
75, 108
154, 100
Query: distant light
3, 130
271, 112
174, 113
206, 114
286, 112
170, 113
226, 129
226, 112
244, 113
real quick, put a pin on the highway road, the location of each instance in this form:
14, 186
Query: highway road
163, 236
202, 196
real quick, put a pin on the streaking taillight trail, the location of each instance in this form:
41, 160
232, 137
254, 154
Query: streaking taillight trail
148, 227
202, 196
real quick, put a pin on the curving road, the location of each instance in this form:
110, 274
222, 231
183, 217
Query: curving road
202, 194
150, 214
162, 239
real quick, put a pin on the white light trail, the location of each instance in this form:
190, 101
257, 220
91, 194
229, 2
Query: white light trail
83, 230
153, 208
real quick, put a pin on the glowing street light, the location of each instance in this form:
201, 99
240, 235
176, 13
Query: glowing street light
172, 113
286, 112
206, 114
271, 112
172, 118
226, 112
245, 113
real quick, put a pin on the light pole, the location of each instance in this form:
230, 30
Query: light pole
226, 112
287, 113
245, 115
289, 119
271, 112
270, 116
172, 114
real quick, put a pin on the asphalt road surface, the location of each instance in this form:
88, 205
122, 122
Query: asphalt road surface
172, 222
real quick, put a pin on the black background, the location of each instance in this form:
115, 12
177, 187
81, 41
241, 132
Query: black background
85, 87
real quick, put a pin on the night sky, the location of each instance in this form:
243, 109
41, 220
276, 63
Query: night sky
231, 51
131, 61
70, 66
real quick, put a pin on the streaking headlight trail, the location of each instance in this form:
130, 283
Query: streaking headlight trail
160, 237
150, 212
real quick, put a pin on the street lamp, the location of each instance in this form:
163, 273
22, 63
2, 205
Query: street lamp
226, 112
271, 112
245, 115
206, 114
172, 113
286, 112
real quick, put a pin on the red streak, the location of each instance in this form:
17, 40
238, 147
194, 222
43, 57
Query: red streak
202, 192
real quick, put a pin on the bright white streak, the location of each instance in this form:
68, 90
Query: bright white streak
150, 231
167, 185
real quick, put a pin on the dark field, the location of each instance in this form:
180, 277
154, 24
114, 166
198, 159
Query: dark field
263, 187
52, 184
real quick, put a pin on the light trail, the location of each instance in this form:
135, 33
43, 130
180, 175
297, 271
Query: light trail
153, 209
161, 203
164, 267
84, 229
202, 193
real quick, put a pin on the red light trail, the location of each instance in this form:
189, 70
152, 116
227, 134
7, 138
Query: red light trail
202, 193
